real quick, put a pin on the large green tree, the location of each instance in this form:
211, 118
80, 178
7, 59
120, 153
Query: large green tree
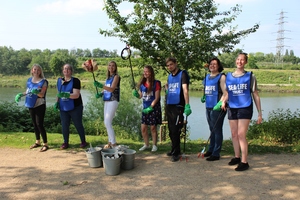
190, 30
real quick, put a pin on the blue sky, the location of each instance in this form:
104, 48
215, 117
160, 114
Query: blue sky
68, 24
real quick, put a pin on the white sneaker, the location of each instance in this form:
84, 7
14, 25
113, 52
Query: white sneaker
154, 148
144, 148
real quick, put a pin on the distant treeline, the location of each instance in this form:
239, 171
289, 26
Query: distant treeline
14, 62
18, 62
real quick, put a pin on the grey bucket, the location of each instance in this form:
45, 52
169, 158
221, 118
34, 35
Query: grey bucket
107, 151
94, 157
128, 159
112, 166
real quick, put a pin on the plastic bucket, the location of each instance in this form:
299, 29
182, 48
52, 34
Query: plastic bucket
107, 151
128, 159
112, 165
94, 157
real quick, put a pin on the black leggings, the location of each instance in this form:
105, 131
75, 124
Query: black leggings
37, 115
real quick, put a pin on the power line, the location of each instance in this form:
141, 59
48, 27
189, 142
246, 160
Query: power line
280, 39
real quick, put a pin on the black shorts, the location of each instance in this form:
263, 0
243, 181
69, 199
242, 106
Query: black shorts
240, 113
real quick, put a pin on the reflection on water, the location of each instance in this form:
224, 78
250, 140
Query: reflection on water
197, 120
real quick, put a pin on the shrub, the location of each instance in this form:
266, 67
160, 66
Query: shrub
127, 121
281, 126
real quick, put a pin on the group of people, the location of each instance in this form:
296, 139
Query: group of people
233, 92
69, 103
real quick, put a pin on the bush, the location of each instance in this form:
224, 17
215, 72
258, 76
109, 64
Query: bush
281, 126
127, 121
14, 118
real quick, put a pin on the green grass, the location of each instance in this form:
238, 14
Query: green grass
24, 140
264, 76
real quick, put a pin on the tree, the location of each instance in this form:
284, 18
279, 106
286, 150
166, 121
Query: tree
252, 62
87, 53
59, 58
190, 30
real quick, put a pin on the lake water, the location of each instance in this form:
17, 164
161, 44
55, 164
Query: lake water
197, 120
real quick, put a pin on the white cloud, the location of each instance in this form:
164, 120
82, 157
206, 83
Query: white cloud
72, 7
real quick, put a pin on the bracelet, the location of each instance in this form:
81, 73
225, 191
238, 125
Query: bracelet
259, 111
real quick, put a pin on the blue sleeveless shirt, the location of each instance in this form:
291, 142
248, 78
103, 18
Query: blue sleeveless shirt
148, 98
66, 104
30, 99
112, 96
239, 90
174, 89
212, 90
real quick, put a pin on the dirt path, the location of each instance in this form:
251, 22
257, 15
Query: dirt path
29, 174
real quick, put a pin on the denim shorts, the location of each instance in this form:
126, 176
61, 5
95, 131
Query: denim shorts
240, 113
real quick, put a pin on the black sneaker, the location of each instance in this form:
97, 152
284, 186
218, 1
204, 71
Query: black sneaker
175, 158
207, 154
242, 166
234, 161
213, 158
169, 154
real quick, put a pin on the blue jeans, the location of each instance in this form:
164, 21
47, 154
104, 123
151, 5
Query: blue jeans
76, 116
215, 121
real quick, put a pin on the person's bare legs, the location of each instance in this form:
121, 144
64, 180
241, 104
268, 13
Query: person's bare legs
235, 139
145, 135
154, 134
243, 125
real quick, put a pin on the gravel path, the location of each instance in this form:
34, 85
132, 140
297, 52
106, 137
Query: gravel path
59, 174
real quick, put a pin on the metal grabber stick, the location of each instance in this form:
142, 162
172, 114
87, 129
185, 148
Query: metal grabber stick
201, 154
183, 156
127, 49
89, 66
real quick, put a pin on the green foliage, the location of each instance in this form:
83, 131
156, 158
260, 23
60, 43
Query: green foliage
281, 126
14, 118
127, 120
58, 59
190, 30
52, 121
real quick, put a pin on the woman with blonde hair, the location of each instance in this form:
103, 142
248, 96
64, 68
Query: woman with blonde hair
111, 98
35, 101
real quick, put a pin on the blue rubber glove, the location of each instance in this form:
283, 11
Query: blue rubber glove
203, 98
187, 109
147, 110
56, 106
63, 95
136, 93
98, 84
18, 97
99, 95
218, 106
35, 91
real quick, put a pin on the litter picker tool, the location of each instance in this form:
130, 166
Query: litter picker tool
125, 55
201, 154
91, 66
203, 98
183, 156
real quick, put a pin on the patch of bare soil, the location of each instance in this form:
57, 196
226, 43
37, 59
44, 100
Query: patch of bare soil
60, 174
